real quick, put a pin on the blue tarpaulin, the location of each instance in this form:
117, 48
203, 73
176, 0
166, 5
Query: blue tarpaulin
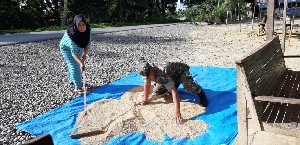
219, 85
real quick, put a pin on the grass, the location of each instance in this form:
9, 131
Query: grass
93, 25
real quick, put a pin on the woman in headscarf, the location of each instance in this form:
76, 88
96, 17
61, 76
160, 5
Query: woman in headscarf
74, 46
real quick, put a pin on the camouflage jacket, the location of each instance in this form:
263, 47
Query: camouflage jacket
169, 73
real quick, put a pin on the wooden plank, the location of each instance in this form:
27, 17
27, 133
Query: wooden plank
266, 113
241, 107
294, 107
273, 84
258, 51
282, 131
251, 62
276, 108
282, 109
45, 139
268, 77
271, 138
262, 68
287, 117
278, 99
269, 90
288, 113
263, 104
264, 64
245, 107
275, 56
271, 75
265, 55
260, 60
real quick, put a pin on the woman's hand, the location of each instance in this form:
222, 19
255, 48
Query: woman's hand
82, 66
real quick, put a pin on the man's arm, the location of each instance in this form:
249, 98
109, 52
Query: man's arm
176, 100
147, 87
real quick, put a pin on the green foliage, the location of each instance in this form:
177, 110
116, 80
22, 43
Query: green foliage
44, 14
219, 13
212, 10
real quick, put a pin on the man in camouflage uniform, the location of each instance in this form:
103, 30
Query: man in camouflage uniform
167, 79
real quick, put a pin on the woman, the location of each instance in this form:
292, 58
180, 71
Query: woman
74, 46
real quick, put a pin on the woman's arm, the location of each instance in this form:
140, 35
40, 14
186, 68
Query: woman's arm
81, 63
84, 54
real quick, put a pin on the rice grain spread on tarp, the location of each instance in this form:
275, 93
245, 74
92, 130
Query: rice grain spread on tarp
120, 117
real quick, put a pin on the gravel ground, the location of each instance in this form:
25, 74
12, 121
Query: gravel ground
34, 75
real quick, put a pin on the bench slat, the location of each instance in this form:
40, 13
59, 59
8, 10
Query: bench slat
269, 109
260, 50
292, 113
261, 106
264, 64
267, 81
278, 99
264, 56
294, 107
283, 108
290, 94
266, 75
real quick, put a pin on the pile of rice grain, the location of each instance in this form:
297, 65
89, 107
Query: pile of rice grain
120, 117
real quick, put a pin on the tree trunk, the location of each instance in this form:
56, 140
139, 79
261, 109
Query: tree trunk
163, 7
150, 8
64, 18
284, 26
158, 5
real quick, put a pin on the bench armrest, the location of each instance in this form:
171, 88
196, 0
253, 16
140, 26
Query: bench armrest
278, 99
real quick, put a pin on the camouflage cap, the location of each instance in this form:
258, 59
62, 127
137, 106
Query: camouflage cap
145, 69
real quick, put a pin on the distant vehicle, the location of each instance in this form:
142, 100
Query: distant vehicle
291, 12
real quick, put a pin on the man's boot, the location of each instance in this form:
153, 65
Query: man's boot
203, 99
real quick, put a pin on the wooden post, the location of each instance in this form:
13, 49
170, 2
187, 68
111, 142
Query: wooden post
253, 14
284, 26
226, 12
295, 11
248, 122
242, 137
270, 20
239, 12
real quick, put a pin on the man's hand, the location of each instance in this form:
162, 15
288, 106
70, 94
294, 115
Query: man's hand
143, 103
178, 118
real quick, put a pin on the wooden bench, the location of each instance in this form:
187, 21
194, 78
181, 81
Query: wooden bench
268, 94
45, 139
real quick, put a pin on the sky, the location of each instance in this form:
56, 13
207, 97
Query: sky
180, 6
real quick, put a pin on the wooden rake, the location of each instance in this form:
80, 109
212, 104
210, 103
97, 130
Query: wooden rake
74, 133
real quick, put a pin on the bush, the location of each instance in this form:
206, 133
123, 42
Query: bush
220, 13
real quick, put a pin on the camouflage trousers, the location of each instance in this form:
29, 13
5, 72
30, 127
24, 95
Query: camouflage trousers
185, 79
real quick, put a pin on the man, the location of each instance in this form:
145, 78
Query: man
167, 80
